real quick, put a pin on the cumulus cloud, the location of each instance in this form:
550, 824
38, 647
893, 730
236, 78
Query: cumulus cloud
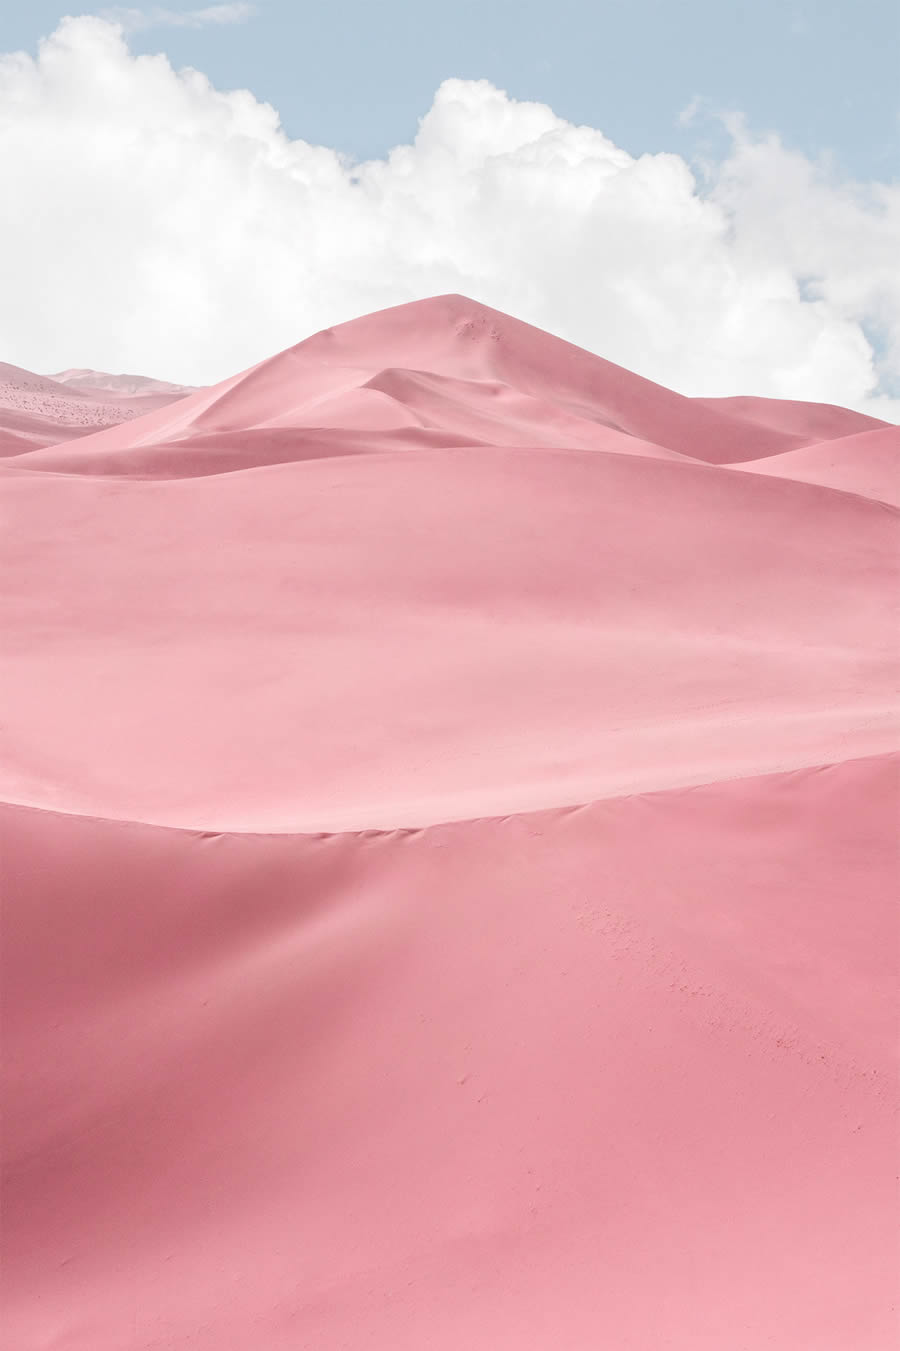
155, 223
132, 20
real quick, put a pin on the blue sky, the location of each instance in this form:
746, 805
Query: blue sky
356, 75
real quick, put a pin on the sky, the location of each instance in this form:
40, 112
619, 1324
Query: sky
357, 75
706, 192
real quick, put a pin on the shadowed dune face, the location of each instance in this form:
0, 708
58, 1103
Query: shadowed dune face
613, 1072
448, 857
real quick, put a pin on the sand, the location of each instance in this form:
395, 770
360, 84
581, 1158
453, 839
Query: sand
449, 861
42, 410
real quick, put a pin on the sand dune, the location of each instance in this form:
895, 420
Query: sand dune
103, 382
536, 627
448, 858
41, 410
810, 422
867, 463
440, 356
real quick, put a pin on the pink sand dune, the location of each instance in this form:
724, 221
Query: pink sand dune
205, 453
534, 627
867, 463
123, 385
448, 860
518, 378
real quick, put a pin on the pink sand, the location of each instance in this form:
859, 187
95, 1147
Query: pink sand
449, 860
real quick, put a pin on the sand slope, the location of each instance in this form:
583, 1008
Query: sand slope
867, 463
448, 860
410, 636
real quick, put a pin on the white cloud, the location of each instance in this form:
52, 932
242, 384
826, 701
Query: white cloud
690, 111
132, 20
154, 223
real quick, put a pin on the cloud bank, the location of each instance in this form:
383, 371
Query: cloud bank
154, 223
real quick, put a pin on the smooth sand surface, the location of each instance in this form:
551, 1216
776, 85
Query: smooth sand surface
449, 858
867, 463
